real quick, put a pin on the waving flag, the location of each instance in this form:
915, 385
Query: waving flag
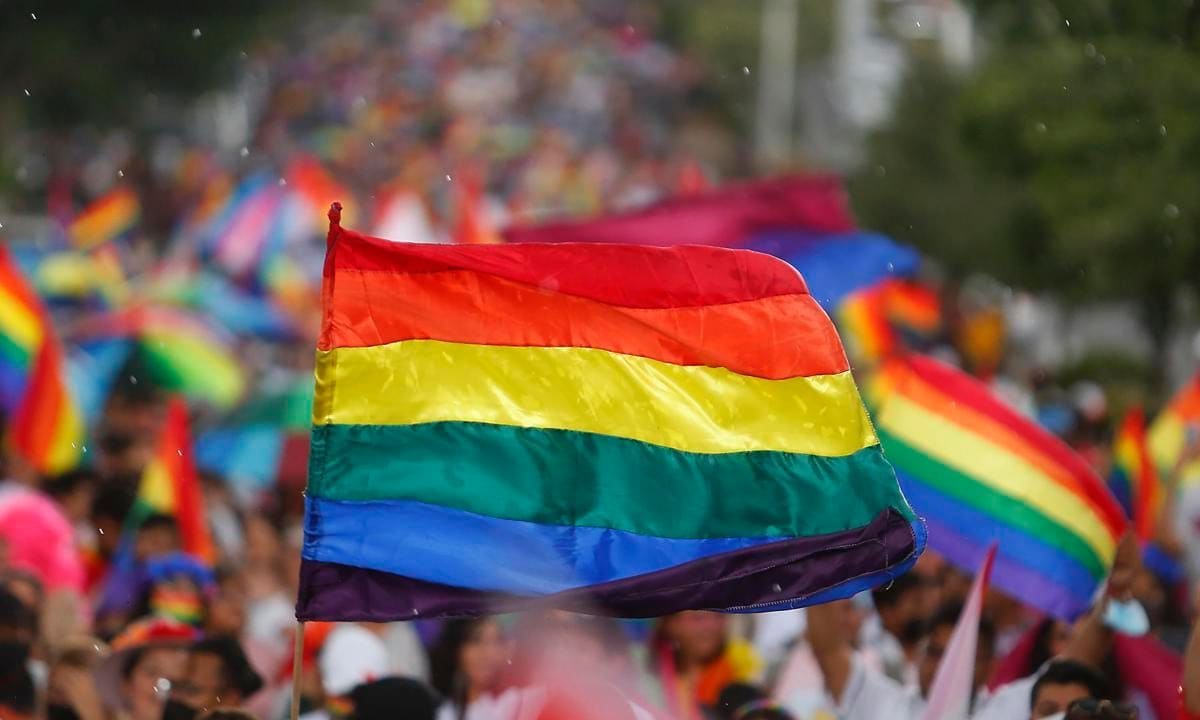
954, 682
1169, 433
979, 473
648, 429
1134, 479
46, 428
105, 219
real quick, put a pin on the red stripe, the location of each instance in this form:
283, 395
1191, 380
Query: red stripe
624, 275
13, 283
965, 390
175, 452
777, 337
36, 420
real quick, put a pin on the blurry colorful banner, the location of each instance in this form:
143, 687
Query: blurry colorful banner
507, 458
979, 473
106, 219
1176, 426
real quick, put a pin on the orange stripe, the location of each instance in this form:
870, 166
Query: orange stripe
917, 390
775, 337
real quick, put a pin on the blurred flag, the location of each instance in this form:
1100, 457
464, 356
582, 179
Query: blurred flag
106, 219
45, 427
403, 216
186, 352
1134, 479
726, 216
472, 225
169, 486
954, 682
711, 370
316, 187
862, 318
980, 473
1178, 423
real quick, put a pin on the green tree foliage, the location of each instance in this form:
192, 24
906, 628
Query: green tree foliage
1068, 161
93, 61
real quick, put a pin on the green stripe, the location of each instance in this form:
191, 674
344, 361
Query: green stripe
1003, 508
15, 354
518, 474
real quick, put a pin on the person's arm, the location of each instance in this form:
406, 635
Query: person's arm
832, 649
1191, 674
1091, 640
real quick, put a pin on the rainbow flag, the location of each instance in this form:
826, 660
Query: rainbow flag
911, 306
170, 486
45, 426
978, 472
864, 324
645, 429
185, 352
1168, 436
106, 219
1134, 479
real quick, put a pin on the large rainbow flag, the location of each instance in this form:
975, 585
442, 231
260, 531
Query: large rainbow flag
45, 427
978, 472
645, 429
1134, 479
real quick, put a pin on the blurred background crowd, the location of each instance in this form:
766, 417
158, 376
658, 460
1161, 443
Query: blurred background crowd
164, 179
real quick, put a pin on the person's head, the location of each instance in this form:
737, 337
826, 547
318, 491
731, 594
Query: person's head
379, 700
72, 664
18, 621
697, 637
227, 607
147, 675
217, 675
899, 605
1089, 709
468, 658
1063, 682
940, 628
740, 701
157, 535
1049, 642
74, 491
109, 509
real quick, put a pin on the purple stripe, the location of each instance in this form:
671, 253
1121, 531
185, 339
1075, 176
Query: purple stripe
779, 575
1008, 574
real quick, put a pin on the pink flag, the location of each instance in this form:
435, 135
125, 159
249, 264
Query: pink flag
950, 696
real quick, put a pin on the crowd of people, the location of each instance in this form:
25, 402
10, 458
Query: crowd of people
546, 108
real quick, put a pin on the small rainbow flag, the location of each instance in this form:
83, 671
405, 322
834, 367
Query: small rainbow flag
46, 428
862, 318
1168, 436
170, 486
1134, 479
911, 306
978, 473
647, 429
106, 219
185, 352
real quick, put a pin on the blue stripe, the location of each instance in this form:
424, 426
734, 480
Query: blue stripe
835, 265
454, 547
1027, 550
1122, 489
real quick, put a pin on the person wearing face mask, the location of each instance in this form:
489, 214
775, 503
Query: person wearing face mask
217, 675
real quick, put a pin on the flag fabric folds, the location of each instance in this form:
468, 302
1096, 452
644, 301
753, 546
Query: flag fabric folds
646, 429
978, 473
1134, 479
1169, 433
47, 428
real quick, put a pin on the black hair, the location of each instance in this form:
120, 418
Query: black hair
888, 595
16, 686
113, 500
132, 658
443, 659
159, 521
1071, 672
66, 483
741, 701
947, 615
16, 614
380, 699
236, 669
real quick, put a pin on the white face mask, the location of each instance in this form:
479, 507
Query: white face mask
1055, 716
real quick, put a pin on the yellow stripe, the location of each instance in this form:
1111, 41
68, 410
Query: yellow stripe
697, 409
18, 323
1005, 472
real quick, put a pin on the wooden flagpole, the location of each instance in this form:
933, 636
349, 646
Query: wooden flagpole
297, 667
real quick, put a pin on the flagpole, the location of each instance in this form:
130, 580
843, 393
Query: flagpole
297, 662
